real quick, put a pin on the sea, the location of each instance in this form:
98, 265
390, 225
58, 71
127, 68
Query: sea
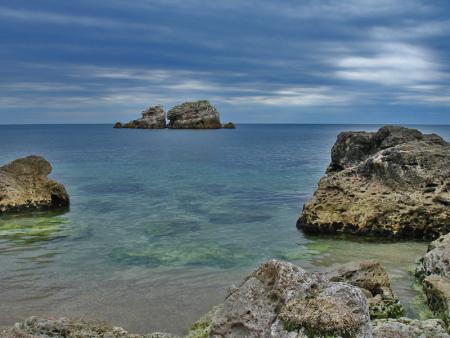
163, 222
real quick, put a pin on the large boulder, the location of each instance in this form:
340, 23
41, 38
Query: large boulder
282, 300
152, 118
24, 185
409, 328
194, 115
394, 182
434, 272
374, 281
437, 259
35, 327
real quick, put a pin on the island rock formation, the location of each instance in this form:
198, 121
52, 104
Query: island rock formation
229, 125
152, 118
194, 115
394, 182
24, 185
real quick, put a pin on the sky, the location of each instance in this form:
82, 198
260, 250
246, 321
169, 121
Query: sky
257, 61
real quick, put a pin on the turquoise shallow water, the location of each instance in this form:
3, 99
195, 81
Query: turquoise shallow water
162, 222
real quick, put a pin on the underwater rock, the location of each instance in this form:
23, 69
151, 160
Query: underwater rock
152, 118
394, 182
374, 281
409, 328
194, 115
229, 125
24, 185
267, 304
35, 327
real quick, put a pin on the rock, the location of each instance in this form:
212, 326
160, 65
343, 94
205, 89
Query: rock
282, 300
437, 290
394, 182
374, 281
338, 309
408, 328
436, 260
152, 118
117, 125
194, 115
35, 327
24, 185
229, 125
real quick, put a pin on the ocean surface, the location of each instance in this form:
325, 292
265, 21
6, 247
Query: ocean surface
162, 222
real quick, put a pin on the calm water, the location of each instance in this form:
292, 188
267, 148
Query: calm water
162, 222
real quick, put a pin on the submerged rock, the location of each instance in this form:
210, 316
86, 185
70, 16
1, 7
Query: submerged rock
409, 328
194, 115
35, 327
229, 125
394, 182
152, 118
374, 281
24, 185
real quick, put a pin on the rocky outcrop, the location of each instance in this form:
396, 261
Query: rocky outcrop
409, 328
394, 182
229, 125
35, 327
434, 272
374, 281
280, 300
194, 115
117, 125
152, 118
24, 185
437, 260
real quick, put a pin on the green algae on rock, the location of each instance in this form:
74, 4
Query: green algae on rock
393, 183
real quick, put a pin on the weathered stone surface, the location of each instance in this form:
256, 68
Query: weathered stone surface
395, 182
267, 304
229, 125
409, 328
152, 118
35, 327
24, 185
437, 290
194, 115
436, 260
338, 309
373, 279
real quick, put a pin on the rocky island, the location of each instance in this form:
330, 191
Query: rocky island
194, 115
188, 115
152, 118
24, 185
394, 182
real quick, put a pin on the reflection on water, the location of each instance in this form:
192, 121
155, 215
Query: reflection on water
161, 224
